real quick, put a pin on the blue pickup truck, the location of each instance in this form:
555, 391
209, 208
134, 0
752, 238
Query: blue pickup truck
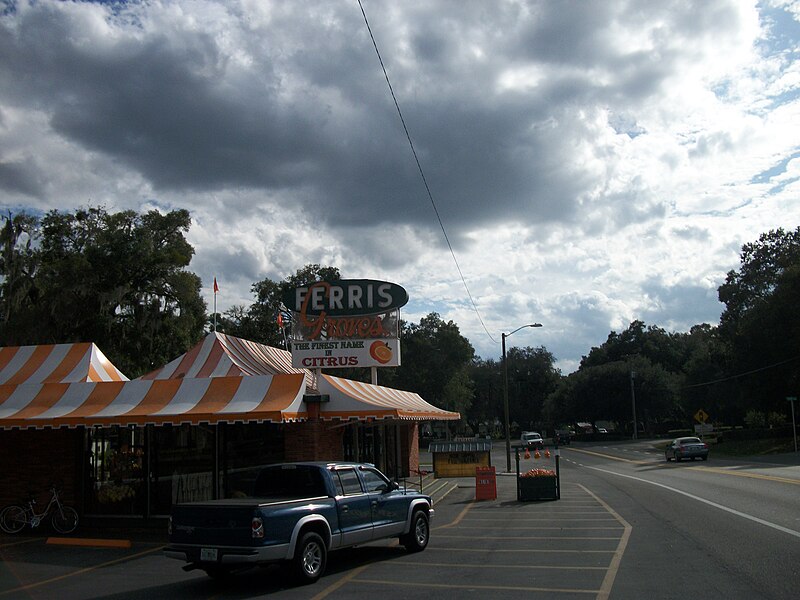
298, 512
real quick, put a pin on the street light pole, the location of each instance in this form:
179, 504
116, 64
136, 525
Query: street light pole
633, 406
792, 400
505, 392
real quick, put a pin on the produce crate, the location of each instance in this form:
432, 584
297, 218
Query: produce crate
538, 488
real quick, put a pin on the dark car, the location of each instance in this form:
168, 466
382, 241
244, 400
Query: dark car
561, 438
686, 447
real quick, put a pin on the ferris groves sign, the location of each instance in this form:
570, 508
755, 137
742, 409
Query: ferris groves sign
346, 298
346, 323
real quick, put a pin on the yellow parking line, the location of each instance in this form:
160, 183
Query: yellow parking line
472, 586
20, 542
613, 568
36, 584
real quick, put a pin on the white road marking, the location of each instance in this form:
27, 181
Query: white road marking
732, 511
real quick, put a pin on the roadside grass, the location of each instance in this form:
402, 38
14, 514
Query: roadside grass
753, 447
746, 447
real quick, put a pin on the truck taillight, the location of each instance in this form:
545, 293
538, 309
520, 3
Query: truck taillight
257, 528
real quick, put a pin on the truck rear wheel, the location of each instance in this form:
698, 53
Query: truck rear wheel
310, 558
417, 538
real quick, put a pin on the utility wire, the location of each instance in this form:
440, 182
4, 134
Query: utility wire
421, 172
772, 366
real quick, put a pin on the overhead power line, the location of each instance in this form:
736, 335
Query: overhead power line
421, 172
772, 366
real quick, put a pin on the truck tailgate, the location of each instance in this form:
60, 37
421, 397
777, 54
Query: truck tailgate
208, 524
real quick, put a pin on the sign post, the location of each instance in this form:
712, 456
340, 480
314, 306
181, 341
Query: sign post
792, 400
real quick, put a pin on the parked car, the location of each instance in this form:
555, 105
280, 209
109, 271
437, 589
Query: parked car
298, 512
562, 438
686, 447
532, 439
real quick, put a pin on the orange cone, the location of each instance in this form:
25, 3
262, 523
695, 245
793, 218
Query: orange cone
536, 454
547, 453
527, 454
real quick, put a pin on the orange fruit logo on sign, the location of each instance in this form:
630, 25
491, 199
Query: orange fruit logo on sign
381, 352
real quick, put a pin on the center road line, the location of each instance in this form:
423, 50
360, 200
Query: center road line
611, 456
722, 471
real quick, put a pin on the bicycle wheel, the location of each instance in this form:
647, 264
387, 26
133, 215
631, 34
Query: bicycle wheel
13, 519
64, 519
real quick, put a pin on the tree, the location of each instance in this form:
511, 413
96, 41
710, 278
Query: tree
18, 267
761, 323
435, 363
258, 322
115, 279
532, 376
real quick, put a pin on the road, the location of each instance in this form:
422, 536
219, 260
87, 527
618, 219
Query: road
716, 529
628, 526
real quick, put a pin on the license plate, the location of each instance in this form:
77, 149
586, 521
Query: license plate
209, 554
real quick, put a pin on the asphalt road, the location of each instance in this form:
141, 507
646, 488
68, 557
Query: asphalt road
716, 529
628, 526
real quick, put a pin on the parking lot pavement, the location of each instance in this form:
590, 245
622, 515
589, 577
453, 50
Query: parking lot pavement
569, 548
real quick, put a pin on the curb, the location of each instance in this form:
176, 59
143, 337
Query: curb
89, 542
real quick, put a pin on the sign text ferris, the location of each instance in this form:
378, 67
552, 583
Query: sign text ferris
346, 297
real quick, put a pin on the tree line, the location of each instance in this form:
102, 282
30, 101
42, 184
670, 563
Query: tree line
121, 280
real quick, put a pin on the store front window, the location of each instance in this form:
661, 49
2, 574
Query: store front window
116, 471
182, 465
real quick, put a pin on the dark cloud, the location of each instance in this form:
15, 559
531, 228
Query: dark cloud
575, 151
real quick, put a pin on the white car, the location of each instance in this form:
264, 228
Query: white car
531, 439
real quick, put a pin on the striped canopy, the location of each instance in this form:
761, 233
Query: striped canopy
220, 355
222, 379
354, 399
56, 363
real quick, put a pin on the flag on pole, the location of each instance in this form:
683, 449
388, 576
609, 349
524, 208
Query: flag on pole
216, 289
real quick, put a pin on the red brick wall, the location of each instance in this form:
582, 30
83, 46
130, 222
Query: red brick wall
31, 460
314, 440
412, 445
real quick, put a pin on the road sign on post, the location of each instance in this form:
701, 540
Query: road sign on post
701, 416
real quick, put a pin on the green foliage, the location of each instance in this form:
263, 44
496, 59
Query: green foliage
435, 362
116, 279
761, 323
258, 322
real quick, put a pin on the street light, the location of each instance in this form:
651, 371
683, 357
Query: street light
505, 392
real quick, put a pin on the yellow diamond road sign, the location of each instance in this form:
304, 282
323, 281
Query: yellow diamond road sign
701, 416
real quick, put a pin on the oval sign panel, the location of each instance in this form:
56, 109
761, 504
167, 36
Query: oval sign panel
346, 297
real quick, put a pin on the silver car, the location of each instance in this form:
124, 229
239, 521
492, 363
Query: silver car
686, 447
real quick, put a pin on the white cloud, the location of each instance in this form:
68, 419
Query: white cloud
591, 167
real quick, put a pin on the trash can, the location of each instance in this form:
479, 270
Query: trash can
485, 483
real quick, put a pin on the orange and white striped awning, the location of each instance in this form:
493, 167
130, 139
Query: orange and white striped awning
357, 400
221, 379
56, 363
220, 355
200, 400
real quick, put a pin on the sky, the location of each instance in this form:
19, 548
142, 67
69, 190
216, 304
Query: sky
592, 163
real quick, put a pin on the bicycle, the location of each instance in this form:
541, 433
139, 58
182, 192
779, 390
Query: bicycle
64, 519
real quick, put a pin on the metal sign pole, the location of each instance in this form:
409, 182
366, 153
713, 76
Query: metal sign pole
792, 400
